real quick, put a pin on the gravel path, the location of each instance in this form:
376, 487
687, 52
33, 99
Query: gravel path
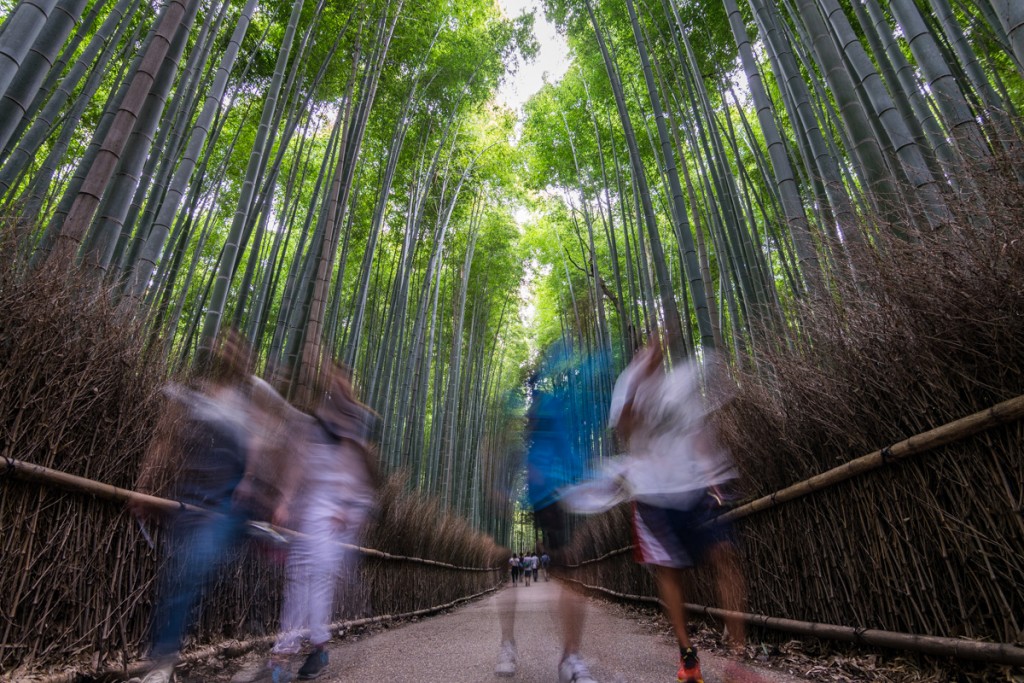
463, 645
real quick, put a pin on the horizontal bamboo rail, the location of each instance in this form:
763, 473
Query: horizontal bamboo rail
997, 653
235, 648
27, 471
999, 414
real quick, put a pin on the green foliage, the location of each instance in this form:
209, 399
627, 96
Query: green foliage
376, 78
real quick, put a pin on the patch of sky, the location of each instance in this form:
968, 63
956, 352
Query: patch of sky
550, 64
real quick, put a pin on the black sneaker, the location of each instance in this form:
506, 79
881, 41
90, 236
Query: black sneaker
314, 665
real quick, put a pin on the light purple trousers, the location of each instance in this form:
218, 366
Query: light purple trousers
316, 563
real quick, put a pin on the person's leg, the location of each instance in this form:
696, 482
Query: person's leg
312, 561
554, 526
572, 613
710, 541
572, 668
296, 597
334, 525
670, 588
732, 588
732, 595
663, 541
294, 604
334, 562
508, 657
200, 543
507, 615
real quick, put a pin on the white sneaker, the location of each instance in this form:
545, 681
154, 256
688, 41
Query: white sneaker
574, 670
161, 674
274, 669
508, 660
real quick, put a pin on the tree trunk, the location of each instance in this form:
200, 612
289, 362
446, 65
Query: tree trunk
683, 231
230, 255
19, 35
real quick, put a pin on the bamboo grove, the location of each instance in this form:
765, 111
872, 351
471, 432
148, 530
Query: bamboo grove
336, 179
710, 164
828, 193
331, 179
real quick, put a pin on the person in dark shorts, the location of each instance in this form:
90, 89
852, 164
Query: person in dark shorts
674, 470
513, 568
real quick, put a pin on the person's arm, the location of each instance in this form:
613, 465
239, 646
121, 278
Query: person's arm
621, 416
162, 458
278, 454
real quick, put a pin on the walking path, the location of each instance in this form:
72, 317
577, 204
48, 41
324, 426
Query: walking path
463, 646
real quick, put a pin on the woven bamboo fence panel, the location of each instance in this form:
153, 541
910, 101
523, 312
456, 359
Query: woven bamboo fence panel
928, 546
80, 394
925, 330
83, 579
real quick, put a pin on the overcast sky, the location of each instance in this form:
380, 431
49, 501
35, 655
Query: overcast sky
552, 58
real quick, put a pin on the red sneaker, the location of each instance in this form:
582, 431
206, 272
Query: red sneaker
689, 668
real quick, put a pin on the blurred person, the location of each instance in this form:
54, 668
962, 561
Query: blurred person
554, 460
203, 462
674, 472
534, 565
328, 508
515, 565
545, 564
526, 569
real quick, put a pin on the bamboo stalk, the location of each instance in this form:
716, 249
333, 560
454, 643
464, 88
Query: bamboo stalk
31, 472
998, 653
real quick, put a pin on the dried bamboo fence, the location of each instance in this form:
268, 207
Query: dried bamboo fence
389, 586
79, 395
999, 653
840, 583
